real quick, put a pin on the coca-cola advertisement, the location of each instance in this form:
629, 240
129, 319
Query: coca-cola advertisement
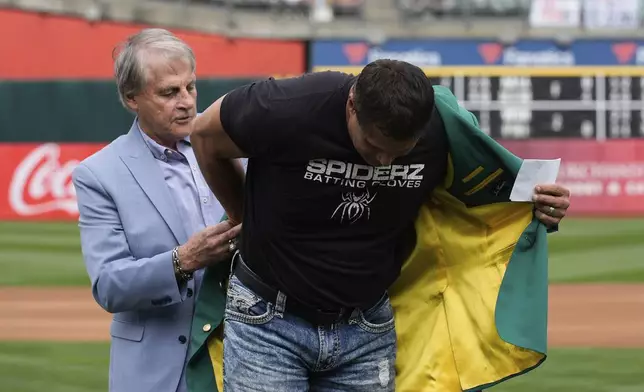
37, 180
605, 178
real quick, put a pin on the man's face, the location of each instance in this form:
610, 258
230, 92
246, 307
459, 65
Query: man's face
374, 147
167, 103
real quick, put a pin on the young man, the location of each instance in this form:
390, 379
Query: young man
339, 168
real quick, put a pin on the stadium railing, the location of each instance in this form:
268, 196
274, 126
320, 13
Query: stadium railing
476, 8
350, 8
405, 8
510, 8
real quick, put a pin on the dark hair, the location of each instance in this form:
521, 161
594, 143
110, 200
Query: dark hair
395, 97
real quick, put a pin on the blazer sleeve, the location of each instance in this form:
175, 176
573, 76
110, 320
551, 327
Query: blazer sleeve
119, 281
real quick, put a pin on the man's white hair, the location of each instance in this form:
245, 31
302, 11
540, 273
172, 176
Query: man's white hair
129, 58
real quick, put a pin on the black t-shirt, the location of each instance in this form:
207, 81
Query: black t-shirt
320, 224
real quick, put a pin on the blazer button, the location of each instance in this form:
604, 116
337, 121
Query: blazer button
182, 339
189, 293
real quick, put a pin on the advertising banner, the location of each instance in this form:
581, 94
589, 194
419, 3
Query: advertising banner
611, 14
555, 13
36, 180
604, 178
430, 53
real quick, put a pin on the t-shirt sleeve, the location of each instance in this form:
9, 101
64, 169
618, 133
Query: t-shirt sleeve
253, 117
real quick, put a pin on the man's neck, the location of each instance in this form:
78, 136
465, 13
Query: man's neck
171, 143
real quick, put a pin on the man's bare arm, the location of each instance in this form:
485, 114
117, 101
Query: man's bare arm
216, 154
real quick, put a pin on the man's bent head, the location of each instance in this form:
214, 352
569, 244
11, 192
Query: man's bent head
389, 105
155, 75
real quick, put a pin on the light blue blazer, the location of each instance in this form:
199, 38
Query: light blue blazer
128, 227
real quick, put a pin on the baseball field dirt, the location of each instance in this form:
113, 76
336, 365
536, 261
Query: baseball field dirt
592, 315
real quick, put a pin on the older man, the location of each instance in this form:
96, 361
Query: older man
148, 222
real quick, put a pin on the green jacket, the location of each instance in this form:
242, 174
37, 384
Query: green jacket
471, 301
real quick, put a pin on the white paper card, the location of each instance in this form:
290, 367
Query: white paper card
532, 173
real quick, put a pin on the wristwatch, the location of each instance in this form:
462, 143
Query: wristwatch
178, 271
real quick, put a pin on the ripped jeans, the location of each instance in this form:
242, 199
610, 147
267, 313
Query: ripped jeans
268, 349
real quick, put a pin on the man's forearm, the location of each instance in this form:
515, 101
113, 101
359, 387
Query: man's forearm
225, 177
216, 154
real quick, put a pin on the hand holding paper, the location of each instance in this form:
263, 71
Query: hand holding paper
534, 172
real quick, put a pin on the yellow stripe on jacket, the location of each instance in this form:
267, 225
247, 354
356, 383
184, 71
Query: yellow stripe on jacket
216, 353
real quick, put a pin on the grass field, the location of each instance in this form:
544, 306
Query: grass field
82, 367
53, 367
583, 370
585, 250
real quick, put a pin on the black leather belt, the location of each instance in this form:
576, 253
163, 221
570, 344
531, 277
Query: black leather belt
314, 316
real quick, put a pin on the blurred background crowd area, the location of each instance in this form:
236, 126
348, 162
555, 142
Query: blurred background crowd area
372, 19
403, 8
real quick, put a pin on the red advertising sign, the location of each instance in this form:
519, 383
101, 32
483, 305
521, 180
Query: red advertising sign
605, 178
37, 180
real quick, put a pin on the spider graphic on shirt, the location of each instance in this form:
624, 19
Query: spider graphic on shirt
354, 206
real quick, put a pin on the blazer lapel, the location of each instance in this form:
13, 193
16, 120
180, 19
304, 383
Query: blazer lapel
147, 173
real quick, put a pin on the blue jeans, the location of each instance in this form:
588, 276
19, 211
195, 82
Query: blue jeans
268, 349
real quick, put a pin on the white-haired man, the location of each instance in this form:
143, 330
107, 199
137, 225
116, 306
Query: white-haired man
148, 222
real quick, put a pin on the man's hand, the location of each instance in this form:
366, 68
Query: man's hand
209, 246
551, 202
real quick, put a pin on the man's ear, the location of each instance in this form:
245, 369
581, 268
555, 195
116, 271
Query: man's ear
351, 104
130, 101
